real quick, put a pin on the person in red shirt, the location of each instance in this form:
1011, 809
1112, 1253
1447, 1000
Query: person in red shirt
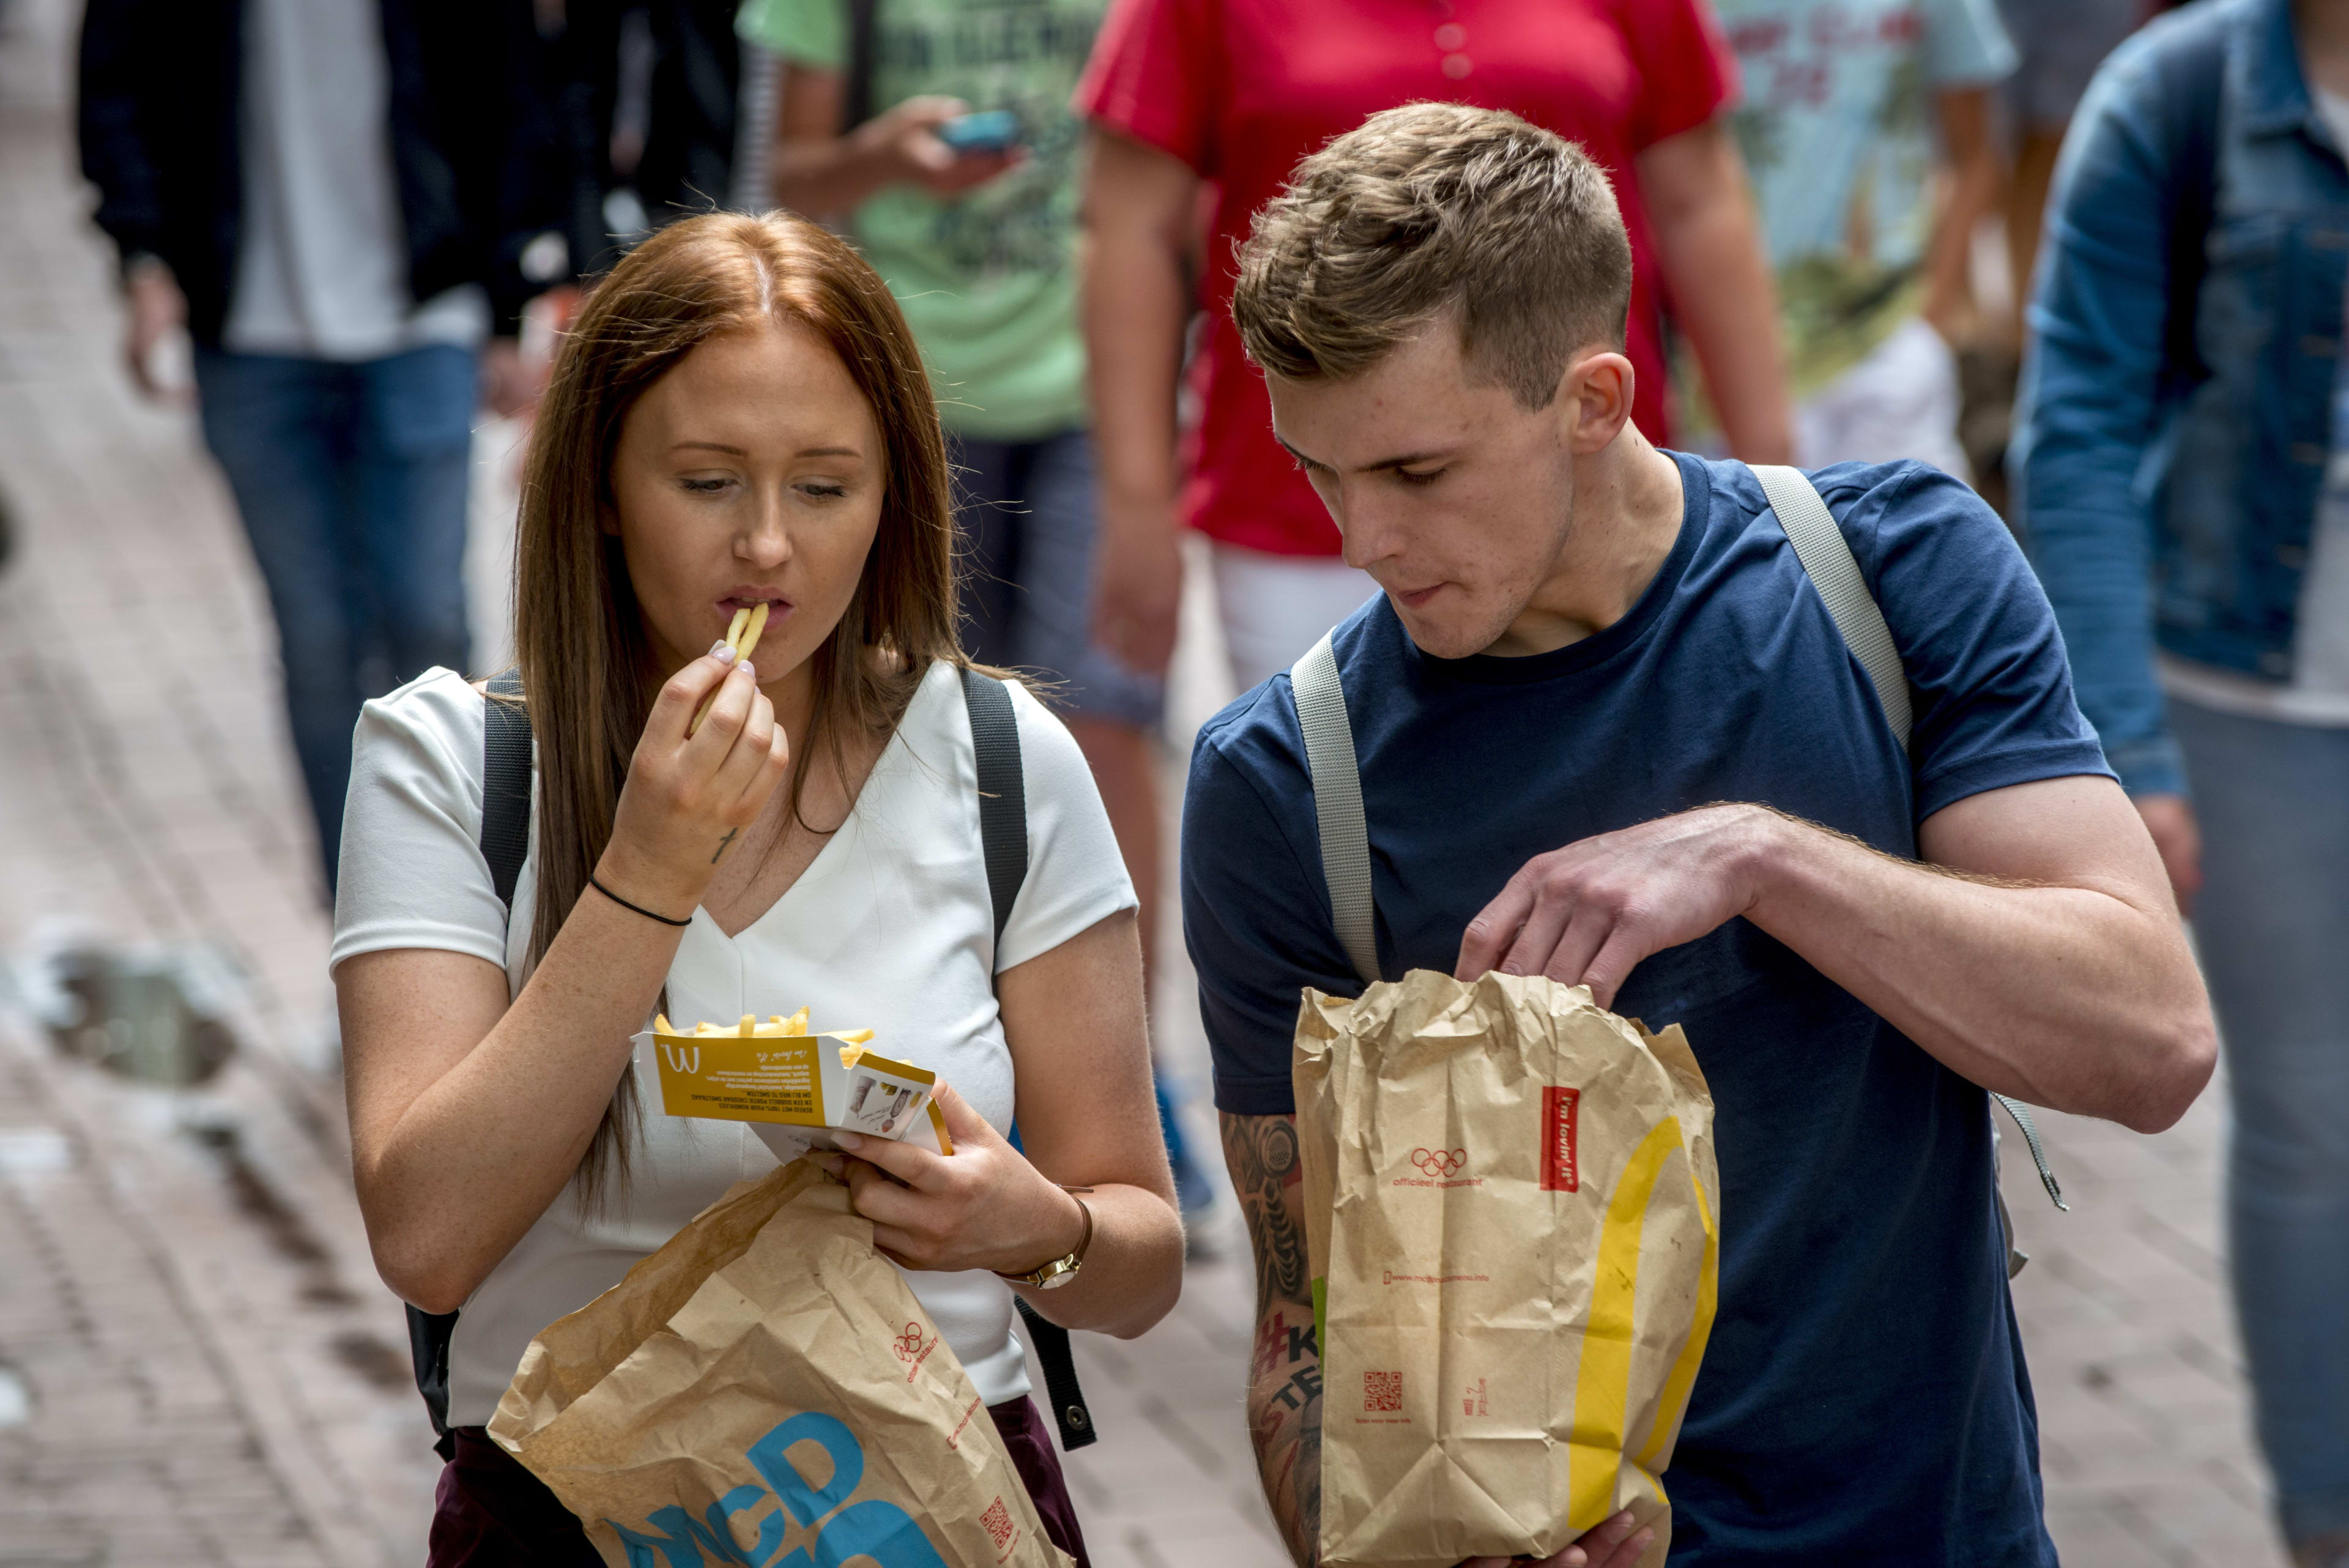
1231, 94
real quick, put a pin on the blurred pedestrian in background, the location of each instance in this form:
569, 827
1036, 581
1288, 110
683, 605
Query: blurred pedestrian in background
2057, 50
942, 134
1866, 126
978, 244
335, 197
2182, 463
651, 99
1188, 93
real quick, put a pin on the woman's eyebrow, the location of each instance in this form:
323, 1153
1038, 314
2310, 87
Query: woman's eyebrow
739, 452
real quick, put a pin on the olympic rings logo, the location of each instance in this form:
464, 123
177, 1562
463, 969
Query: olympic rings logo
1440, 1163
908, 1344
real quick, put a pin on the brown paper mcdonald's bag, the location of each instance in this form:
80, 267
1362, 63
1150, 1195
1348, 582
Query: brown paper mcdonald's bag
765, 1391
1509, 1197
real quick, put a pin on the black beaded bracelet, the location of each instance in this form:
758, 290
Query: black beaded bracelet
639, 908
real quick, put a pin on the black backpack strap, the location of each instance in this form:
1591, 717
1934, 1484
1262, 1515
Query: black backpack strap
1002, 790
427, 1346
1003, 842
857, 100
505, 784
1061, 1389
2191, 63
505, 844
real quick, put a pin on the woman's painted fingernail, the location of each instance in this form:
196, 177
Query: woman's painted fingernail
722, 653
750, 669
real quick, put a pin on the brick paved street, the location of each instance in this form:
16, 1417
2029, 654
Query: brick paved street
215, 1374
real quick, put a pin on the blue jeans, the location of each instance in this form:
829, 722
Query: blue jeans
2273, 925
351, 479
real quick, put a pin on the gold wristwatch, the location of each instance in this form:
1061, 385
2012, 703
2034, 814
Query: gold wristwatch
1060, 1270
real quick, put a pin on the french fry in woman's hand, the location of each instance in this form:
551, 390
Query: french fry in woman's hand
742, 635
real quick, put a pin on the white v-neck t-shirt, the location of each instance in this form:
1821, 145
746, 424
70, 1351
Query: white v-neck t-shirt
890, 929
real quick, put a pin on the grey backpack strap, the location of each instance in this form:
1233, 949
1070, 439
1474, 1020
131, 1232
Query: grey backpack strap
1338, 803
2029, 1130
1834, 571
1827, 556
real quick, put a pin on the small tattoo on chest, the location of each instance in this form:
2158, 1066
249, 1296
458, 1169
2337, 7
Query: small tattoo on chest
723, 843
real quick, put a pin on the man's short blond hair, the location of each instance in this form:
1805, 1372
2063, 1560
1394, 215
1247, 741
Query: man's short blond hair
1435, 210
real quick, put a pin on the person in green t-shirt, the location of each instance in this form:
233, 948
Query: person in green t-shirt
980, 247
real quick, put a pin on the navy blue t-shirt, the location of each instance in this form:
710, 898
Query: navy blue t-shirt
1863, 1399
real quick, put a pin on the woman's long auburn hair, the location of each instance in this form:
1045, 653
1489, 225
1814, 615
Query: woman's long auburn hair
588, 672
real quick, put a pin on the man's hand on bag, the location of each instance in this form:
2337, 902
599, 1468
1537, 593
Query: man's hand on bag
982, 1207
1612, 1544
1586, 914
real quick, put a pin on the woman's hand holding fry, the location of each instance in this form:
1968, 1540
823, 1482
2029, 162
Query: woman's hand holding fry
691, 791
741, 640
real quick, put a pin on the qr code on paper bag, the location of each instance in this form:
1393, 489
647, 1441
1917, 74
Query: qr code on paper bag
1382, 1391
998, 1520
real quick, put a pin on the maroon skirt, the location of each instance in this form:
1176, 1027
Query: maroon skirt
492, 1513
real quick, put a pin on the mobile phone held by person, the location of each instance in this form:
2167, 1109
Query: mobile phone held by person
990, 130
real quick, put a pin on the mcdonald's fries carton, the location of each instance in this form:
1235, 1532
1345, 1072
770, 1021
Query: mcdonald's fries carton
1510, 1221
797, 1087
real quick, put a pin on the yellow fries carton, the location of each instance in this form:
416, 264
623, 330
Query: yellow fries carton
799, 1087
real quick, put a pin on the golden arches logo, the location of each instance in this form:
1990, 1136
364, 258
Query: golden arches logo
682, 1058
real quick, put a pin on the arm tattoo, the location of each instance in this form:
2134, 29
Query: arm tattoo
723, 843
1263, 1156
1284, 1386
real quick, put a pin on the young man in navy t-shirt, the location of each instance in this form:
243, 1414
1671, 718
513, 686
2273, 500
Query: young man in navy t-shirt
1585, 647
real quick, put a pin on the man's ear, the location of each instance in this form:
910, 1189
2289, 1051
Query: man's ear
1594, 399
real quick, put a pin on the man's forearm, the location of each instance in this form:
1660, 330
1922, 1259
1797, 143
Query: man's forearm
2082, 998
1283, 1386
1283, 1414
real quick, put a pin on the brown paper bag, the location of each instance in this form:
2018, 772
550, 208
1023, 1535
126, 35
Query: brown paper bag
765, 1391
1509, 1216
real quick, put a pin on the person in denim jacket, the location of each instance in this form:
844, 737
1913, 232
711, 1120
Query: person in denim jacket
2182, 465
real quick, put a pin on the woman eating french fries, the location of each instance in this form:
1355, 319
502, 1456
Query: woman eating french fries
754, 789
